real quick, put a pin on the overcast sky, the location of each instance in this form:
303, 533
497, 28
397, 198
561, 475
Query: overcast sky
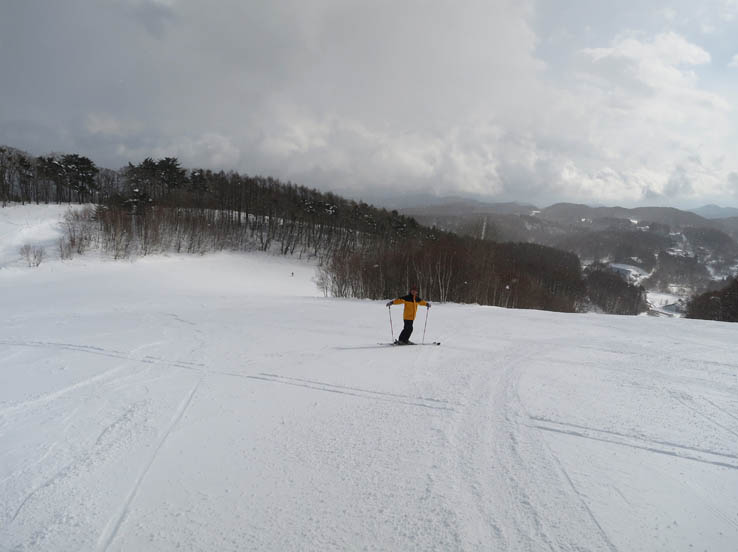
601, 102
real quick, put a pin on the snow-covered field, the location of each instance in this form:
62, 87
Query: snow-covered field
221, 403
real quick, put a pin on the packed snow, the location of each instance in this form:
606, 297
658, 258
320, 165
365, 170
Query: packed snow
220, 402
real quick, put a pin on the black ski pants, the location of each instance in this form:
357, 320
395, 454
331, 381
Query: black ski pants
406, 331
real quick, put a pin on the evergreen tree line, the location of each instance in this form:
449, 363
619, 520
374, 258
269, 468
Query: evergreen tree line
678, 270
365, 252
447, 267
610, 293
720, 305
55, 178
163, 208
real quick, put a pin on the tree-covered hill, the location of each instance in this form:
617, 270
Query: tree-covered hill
157, 205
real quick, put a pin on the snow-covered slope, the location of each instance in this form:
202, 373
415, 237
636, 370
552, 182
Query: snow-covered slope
34, 225
220, 403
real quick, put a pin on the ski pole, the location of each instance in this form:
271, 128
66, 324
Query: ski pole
426, 324
392, 331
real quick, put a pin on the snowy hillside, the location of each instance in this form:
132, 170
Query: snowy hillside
221, 403
34, 225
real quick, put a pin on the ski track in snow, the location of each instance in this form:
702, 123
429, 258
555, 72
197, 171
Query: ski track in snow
142, 410
109, 535
382, 393
354, 392
669, 449
496, 465
492, 439
48, 397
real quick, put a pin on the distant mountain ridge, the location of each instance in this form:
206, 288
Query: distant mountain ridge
715, 211
456, 213
677, 252
571, 212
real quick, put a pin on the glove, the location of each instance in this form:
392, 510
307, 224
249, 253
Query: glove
428, 305
389, 304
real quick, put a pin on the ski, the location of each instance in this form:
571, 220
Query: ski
404, 344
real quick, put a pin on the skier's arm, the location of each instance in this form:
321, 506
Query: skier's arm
397, 301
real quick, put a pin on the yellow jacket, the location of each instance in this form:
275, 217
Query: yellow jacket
411, 305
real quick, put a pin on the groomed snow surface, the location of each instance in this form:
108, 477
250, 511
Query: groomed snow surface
221, 403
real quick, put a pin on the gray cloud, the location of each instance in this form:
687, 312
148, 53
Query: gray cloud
678, 184
500, 99
732, 184
152, 15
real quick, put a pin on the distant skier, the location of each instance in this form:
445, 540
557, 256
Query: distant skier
411, 302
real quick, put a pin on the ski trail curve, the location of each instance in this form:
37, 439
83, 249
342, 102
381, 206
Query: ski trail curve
523, 499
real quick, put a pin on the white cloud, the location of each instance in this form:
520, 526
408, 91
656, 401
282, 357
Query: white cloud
409, 96
734, 61
624, 130
209, 150
729, 10
655, 59
637, 118
668, 13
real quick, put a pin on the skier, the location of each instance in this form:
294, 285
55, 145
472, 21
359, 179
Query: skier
411, 302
